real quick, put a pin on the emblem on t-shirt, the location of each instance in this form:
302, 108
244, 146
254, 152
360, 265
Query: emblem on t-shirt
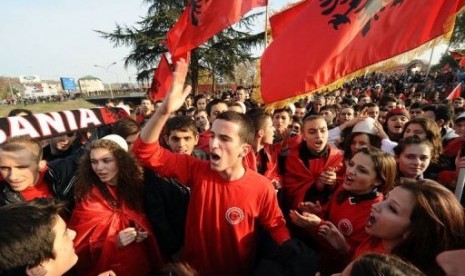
234, 215
345, 226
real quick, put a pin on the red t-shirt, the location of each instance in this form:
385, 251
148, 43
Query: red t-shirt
222, 215
41, 189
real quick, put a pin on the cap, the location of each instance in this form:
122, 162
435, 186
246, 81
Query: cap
118, 140
366, 126
397, 111
377, 85
461, 117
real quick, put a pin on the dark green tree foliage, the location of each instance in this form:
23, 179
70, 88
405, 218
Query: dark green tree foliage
218, 56
458, 37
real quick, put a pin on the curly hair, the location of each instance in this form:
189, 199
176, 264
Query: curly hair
130, 177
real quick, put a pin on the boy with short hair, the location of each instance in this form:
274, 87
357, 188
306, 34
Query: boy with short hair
25, 175
227, 198
310, 171
34, 236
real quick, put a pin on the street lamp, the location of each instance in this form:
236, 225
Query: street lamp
106, 72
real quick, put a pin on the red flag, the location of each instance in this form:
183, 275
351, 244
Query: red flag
331, 41
456, 93
204, 18
161, 80
280, 21
462, 62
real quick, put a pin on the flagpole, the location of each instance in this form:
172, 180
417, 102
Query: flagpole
266, 23
430, 60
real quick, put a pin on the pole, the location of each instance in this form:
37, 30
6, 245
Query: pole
460, 185
430, 60
106, 73
266, 23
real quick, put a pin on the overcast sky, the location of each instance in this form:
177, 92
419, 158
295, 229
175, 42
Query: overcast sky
55, 38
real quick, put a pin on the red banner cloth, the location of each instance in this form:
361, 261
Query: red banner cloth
204, 18
280, 21
333, 39
161, 82
456, 93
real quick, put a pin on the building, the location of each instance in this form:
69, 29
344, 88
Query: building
89, 84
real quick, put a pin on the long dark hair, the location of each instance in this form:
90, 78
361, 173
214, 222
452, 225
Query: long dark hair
130, 177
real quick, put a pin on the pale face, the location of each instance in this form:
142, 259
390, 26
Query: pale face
62, 143
414, 160
201, 104
240, 95
328, 116
391, 105
146, 106
63, 248
382, 117
373, 112
319, 102
390, 219
104, 165
396, 124
458, 103
315, 134
19, 168
460, 129
360, 175
359, 141
281, 121
201, 120
345, 115
364, 100
300, 112
415, 129
226, 148
182, 142
416, 112
268, 130
216, 110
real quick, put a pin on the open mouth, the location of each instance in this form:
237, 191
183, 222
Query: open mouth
214, 157
349, 181
371, 220
319, 143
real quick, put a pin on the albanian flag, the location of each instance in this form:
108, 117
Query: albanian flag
279, 21
161, 82
456, 93
202, 19
331, 41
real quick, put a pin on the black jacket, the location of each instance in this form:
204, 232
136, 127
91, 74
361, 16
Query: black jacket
60, 176
165, 204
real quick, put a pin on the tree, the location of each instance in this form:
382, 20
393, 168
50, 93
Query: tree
458, 36
217, 56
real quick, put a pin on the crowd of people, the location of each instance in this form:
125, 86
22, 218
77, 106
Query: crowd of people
357, 181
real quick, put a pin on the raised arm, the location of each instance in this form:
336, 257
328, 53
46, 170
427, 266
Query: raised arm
172, 102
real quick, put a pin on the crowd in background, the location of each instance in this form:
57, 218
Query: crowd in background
358, 180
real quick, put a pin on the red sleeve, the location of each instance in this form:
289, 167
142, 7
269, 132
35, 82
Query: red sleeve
166, 163
271, 217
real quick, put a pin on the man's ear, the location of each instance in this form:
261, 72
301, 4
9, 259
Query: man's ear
196, 139
38, 270
245, 150
165, 138
42, 164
